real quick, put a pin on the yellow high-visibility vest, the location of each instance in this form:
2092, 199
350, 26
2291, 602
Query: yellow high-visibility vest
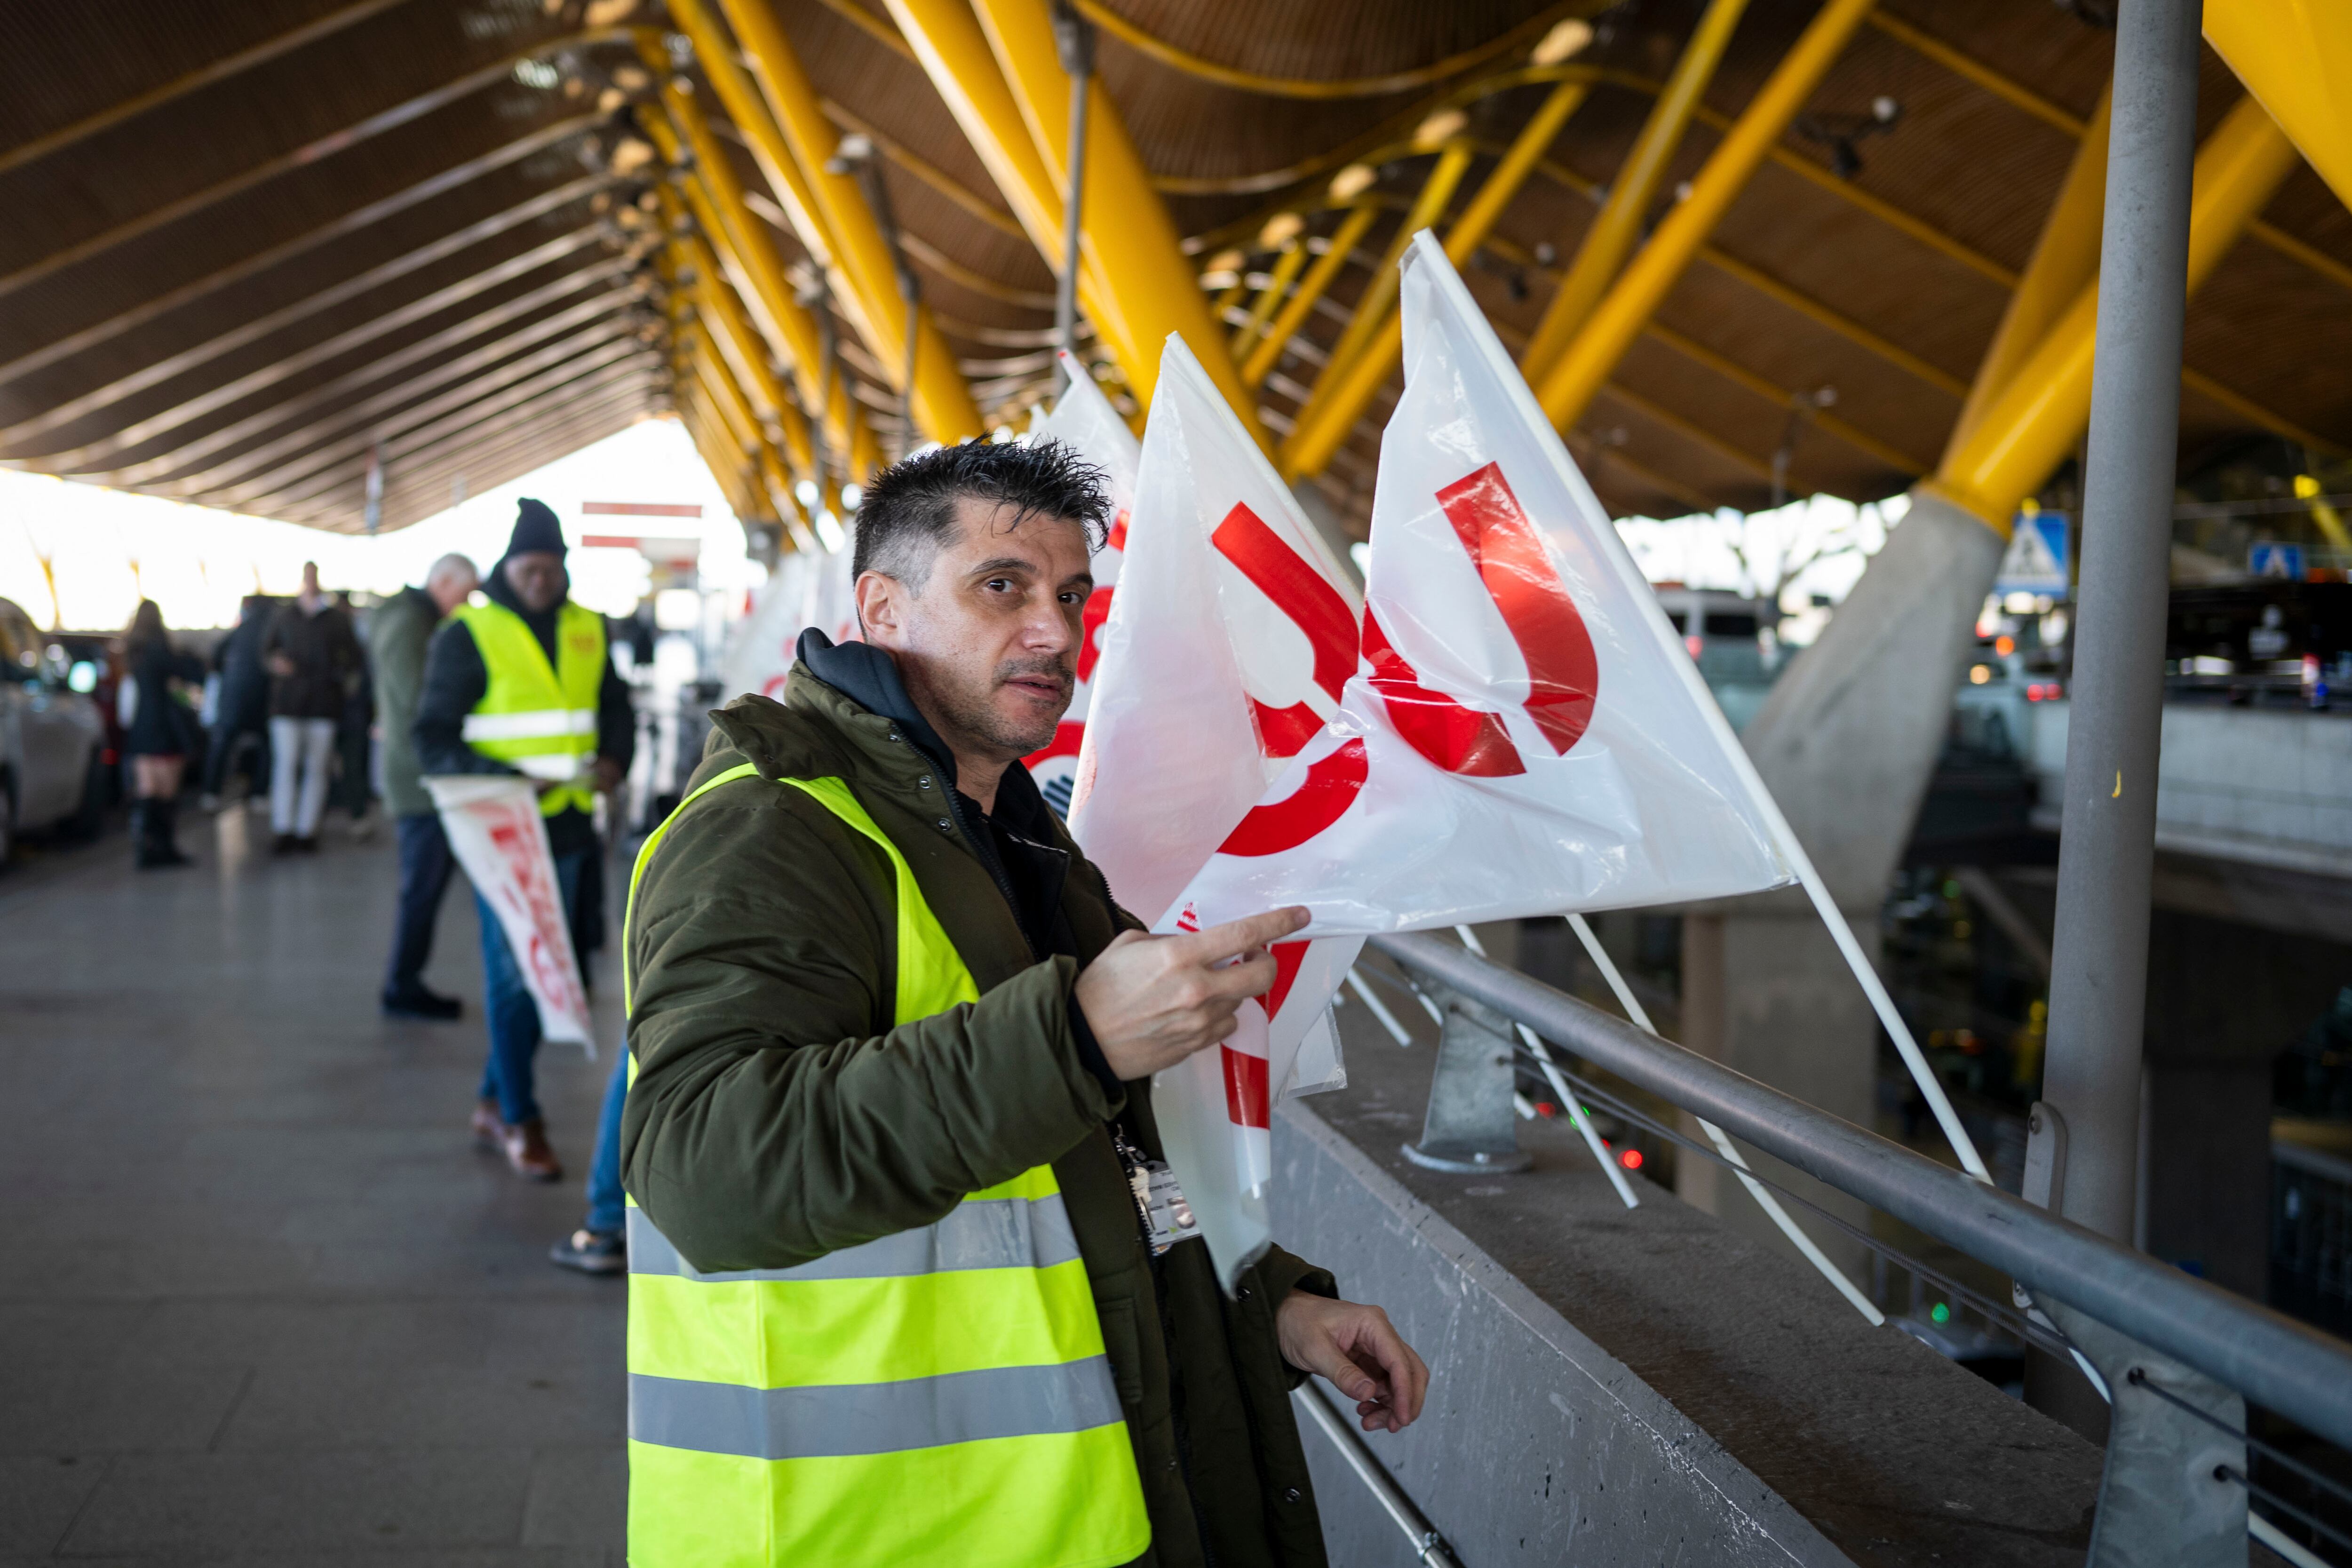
537, 718
938, 1398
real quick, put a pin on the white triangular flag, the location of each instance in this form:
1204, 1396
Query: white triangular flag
1526, 735
1233, 633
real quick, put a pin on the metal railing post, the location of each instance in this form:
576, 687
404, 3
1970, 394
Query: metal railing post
2107, 854
1470, 1126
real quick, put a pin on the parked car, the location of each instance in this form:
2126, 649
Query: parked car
52, 738
1729, 638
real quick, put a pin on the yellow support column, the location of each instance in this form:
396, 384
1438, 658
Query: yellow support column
2295, 58
745, 350
742, 241
942, 403
2030, 426
2066, 258
1291, 258
954, 53
1268, 352
1617, 228
1618, 320
1371, 307
1125, 231
1323, 426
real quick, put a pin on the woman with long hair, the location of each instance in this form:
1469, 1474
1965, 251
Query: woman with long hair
157, 729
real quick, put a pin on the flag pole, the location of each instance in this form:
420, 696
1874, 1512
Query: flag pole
1723, 1144
1576, 1112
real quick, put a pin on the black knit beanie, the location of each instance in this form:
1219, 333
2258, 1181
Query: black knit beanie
535, 530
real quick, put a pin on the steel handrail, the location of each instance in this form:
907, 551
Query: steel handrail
2273, 1360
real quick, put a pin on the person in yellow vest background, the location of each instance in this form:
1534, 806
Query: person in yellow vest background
523, 684
910, 1285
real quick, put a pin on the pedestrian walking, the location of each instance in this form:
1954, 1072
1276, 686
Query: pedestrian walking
159, 729
525, 684
312, 656
354, 786
905, 1215
398, 635
241, 710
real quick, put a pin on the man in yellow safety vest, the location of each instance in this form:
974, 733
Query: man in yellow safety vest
523, 684
909, 1285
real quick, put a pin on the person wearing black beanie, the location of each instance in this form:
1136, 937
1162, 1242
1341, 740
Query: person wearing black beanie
509, 687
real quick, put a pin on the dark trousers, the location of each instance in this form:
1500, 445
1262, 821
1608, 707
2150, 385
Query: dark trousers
508, 1076
426, 865
245, 716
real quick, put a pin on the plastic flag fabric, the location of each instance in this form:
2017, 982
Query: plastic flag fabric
760, 654
829, 600
1233, 633
1525, 735
498, 836
1084, 419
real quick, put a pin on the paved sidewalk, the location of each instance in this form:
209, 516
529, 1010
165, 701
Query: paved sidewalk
262, 1303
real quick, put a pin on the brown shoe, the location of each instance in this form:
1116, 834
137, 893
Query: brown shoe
490, 1132
528, 1151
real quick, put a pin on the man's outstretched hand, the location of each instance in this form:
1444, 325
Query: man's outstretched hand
1359, 1350
1152, 1001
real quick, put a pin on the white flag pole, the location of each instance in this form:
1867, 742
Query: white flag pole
1723, 1144
1567, 1096
1613, 548
1397, 1031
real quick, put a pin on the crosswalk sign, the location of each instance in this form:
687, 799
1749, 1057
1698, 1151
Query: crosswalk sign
2036, 562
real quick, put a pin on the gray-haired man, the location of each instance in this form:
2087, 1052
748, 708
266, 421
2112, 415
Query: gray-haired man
397, 635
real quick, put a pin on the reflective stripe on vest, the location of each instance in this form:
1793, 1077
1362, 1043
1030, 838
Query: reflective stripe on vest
538, 719
938, 1396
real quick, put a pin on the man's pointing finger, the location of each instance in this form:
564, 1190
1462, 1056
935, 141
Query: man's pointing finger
1234, 938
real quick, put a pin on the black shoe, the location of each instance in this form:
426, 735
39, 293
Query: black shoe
415, 1002
591, 1252
284, 844
152, 828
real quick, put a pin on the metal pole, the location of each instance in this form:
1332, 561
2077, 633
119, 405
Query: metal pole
1074, 40
2099, 957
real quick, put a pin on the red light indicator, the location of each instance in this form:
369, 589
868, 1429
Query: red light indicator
1631, 1158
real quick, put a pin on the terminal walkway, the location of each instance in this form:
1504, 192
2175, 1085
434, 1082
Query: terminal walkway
263, 1300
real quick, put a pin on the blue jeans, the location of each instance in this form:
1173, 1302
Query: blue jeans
513, 1017
607, 1209
426, 865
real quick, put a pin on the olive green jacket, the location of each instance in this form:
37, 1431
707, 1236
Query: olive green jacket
778, 1115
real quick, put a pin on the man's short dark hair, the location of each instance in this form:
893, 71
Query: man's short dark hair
909, 507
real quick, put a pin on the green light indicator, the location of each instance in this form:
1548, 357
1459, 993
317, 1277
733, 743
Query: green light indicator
1941, 1311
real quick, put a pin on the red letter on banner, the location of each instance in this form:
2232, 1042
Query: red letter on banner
1327, 792
1459, 739
1563, 676
1313, 607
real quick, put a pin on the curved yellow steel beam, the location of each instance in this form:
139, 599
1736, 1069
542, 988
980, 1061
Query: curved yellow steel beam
1617, 227
942, 403
1618, 320
1268, 352
745, 350
2064, 259
2296, 57
1125, 231
748, 253
1192, 65
954, 53
1287, 268
2047, 406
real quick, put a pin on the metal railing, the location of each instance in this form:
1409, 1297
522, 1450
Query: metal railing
2275, 1360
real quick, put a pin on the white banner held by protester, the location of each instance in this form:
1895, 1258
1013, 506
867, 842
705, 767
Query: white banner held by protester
760, 654
1226, 647
1526, 734
1085, 421
498, 836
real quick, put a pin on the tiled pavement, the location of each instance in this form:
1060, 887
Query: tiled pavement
260, 1302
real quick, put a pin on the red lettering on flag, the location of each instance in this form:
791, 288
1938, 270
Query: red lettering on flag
1287, 958
1245, 1088
1563, 674
1459, 739
1313, 607
1329, 789
1090, 622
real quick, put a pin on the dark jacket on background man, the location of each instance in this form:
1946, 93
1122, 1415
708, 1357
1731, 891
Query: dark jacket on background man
778, 1114
455, 678
398, 635
244, 682
326, 654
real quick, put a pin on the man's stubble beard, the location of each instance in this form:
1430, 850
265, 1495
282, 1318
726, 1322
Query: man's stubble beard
975, 714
